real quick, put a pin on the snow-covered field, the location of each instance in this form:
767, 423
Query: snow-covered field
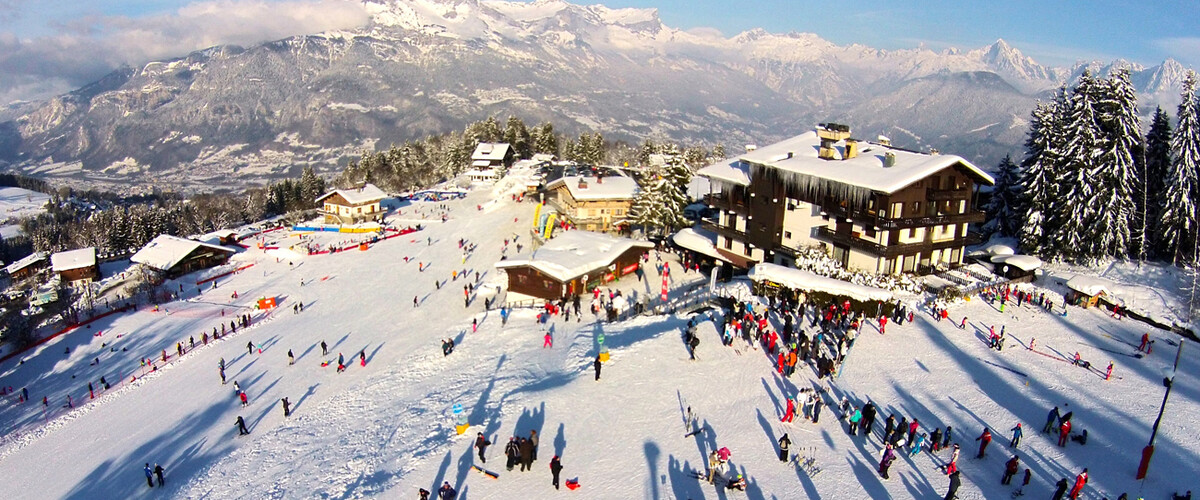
18, 202
385, 429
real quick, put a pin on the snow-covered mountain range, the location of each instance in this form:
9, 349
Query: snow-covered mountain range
229, 115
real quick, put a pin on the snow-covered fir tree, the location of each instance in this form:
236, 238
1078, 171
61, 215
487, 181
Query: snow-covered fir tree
1003, 209
1039, 178
1157, 164
1179, 206
1117, 228
1076, 208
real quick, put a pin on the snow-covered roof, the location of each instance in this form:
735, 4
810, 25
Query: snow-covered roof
867, 170
215, 237
1089, 285
804, 280
1023, 262
574, 253
999, 250
613, 187
366, 194
164, 251
490, 151
29, 260
698, 240
73, 259
481, 163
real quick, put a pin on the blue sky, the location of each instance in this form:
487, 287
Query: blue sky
48, 46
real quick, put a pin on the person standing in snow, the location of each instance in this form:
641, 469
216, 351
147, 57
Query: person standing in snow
952, 467
784, 444
984, 439
889, 455
955, 483
1010, 469
855, 418
548, 342
868, 418
149, 475
889, 426
158, 473
912, 429
291, 358
1080, 481
533, 441
241, 424
287, 407
245, 402
1063, 432
935, 440
790, 413
596, 365
249, 347
526, 449
916, 445
946, 438
816, 411
1025, 482
555, 469
446, 492
481, 443
422, 494
512, 453
324, 349
1016, 436
714, 462
1060, 489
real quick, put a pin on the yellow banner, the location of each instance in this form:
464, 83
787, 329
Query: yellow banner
549, 225
537, 214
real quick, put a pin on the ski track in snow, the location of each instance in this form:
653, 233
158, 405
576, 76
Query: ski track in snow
384, 430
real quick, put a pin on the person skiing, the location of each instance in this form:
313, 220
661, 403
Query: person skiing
512, 453
291, 358
149, 475
1016, 436
1051, 421
693, 342
245, 402
1145, 342
241, 424
916, 445
984, 439
955, 483
1080, 481
548, 342
287, 407
1010, 469
446, 492
158, 473
596, 365
790, 413
481, 443
784, 443
1025, 482
885, 462
555, 469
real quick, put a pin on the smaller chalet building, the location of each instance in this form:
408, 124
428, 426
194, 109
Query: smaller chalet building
491, 156
76, 266
595, 203
27, 266
351, 206
172, 256
570, 264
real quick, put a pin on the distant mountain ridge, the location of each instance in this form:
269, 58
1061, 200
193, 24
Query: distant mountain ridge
228, 115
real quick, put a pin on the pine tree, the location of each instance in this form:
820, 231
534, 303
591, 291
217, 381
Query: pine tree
1039, 179
517, 136
646, 209
1118, 226
1179, 207
1157, 164
311, 185
1078, 211
1003, 209
546, 140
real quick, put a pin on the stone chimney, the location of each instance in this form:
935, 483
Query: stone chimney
831, 134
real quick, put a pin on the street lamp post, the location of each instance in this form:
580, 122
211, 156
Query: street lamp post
1168, 381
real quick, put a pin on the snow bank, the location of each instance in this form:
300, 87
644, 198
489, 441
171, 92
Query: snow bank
1023, 262
1089, 285
804, 280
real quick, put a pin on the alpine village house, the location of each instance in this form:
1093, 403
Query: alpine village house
351, 206
879, 208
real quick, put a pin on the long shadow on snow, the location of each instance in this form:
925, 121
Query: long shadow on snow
560, 440
684, 484
312, 390
531, 421
650, 449
177, 451
441, 474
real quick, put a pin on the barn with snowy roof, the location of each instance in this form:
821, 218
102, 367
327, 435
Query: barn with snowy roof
76, 266
172, 256
570, 264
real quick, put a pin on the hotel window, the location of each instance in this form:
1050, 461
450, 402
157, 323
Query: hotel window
787, 235
728, 243
746, 249
870, 232
916, 208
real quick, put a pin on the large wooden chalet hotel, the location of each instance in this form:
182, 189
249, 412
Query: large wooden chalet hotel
879, 208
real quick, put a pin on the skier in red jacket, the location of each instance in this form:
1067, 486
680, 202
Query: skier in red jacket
984, 439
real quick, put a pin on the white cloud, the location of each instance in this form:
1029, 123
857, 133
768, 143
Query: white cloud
85, 50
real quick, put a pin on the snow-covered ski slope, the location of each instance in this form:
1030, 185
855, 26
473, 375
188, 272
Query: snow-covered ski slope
384, 430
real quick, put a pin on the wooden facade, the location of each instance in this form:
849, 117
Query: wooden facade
527, 280
602, 215
88, 273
